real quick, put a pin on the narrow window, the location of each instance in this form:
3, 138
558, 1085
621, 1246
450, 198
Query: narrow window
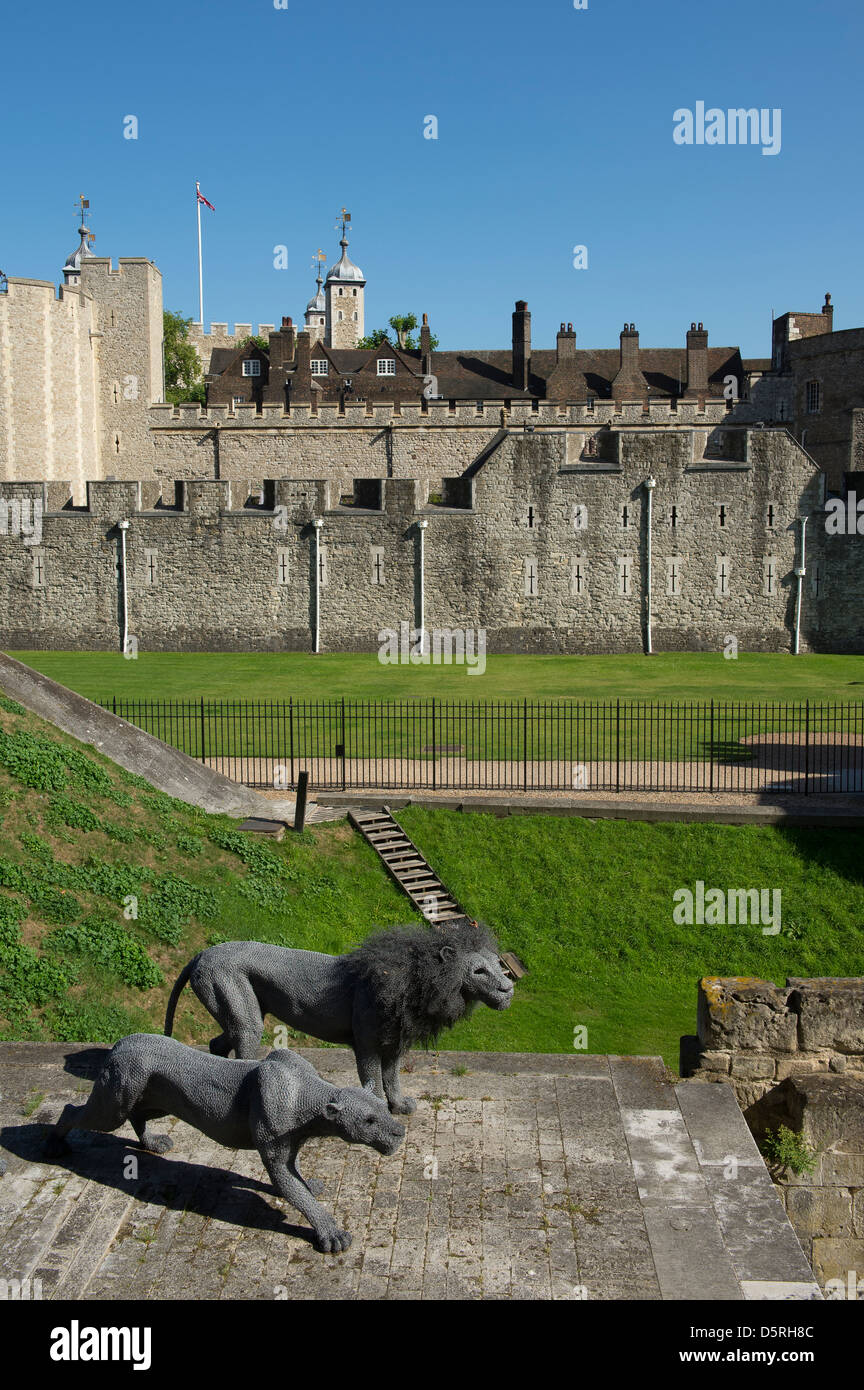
530, 578
282, 570
814, 397
151, 567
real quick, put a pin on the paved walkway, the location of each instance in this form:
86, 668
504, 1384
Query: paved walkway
522, 1177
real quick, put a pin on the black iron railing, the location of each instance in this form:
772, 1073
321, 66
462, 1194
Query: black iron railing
518, 745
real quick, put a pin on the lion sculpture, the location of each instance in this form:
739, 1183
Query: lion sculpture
273, 1106
400, 987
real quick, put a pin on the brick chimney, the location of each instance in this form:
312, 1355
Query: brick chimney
828, 314
565, 344
521, 345
301, 385
697, 360
629, 384
426, 347
283, 344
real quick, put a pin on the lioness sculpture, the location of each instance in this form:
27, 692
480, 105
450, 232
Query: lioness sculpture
273, 1106
400, 987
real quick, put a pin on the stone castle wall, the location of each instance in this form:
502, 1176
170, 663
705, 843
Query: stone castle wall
48, 383
542, 546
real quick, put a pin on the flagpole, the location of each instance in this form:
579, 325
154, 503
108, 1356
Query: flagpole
200, 266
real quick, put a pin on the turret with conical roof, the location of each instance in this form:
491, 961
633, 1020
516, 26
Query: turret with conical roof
344, 288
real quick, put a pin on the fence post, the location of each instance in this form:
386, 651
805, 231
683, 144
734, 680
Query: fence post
291, 734
342, 742
202, 728
434, 755
806, 747
300, 803
525, 745
618, 745
114, 704
711, 749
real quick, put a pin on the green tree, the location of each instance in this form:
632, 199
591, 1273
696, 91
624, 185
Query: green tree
183, 380
402, 325
256, 340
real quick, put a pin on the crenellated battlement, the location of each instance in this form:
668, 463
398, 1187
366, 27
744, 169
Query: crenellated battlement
443, 414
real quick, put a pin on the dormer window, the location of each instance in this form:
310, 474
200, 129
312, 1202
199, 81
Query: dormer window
386, 366
251, 366
320, 366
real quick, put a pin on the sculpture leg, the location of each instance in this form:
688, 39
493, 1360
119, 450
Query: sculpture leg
399, 1103
234, 1005
280, 1162
369, 1069
315, 1186
104, 1110
155, 1143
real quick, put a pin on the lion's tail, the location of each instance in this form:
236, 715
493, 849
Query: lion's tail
177, 991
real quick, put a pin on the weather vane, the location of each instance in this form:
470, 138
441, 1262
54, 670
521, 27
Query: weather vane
344, 219
82, 212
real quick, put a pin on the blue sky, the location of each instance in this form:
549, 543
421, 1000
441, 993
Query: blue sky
554, 130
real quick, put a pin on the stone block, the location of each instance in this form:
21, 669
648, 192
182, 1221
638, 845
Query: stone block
830, 1013
842, 1169
753, 1068
820, 1211
827, 1110
715, 1062
834, 1257
743, 1013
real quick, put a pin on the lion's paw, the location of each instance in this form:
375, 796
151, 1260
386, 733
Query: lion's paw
157, 1143
405, 1105
332, 1241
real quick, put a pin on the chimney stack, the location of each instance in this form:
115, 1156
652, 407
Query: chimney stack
629, 384
566, 344
426, 346
697, 360
521, 345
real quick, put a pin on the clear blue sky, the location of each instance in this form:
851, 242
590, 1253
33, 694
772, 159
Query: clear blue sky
555, 129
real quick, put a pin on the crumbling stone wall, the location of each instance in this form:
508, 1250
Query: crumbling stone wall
794, 1055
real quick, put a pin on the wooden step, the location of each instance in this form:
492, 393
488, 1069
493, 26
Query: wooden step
408, 867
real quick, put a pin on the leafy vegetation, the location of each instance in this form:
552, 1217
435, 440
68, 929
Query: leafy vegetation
785, 1149
183, 379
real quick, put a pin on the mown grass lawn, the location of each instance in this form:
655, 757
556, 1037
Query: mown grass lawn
588, 906
280, 675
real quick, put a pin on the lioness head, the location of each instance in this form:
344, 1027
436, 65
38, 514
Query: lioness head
359, 1117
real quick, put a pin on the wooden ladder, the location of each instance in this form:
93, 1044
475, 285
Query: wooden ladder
408, 868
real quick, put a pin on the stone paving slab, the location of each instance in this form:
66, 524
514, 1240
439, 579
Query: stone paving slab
522, 1176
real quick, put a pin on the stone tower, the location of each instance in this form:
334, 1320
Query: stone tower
343, 290
315, 318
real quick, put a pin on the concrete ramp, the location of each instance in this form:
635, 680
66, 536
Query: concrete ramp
522, 1177
165, 767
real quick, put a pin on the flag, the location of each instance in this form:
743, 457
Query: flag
202, 199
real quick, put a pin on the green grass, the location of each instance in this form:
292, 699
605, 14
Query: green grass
588, 907
95, 928
278, 675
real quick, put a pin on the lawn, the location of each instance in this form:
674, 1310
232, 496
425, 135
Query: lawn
280, 675
108, 887
588, 906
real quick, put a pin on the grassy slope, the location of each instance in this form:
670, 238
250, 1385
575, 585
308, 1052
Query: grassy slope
274, 676
323, 891
588, 905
